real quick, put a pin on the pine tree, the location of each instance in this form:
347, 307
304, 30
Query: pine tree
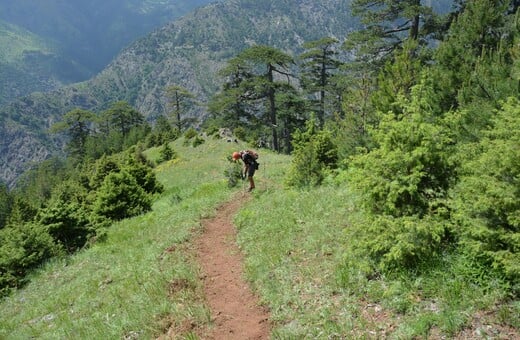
396, 79
266, 64
317, 70
180, 100
386, 25
77, 124
477, 30
230, 106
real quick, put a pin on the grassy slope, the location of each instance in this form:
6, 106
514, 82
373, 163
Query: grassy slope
297, 260
143, 273
143, 279
15, 41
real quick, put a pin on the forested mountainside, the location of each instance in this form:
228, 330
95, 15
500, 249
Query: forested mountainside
46, 44
26, 62
187, 52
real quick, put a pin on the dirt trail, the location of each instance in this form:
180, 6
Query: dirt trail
235, 310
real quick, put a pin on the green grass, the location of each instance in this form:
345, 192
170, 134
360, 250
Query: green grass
139, 281
292, 254
298, 257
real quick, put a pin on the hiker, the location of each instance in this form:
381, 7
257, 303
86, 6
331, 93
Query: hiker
249, 158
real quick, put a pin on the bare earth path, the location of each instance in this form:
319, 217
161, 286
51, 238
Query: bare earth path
235, 311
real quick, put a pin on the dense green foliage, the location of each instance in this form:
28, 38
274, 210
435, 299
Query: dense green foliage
318, 67
403, 185
119, 197
439, 176
62, 205
253, 77
23, 248
314, 155
487, 205
127, 271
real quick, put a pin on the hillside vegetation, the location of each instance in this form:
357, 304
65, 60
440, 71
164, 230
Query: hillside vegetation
142, 279
388, 206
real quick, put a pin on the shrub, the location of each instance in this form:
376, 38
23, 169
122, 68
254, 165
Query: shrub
240, 133
487, 205
120, 196
144, 176
403, 185
68, 218
233, 173
166, 153
405, 241
22, 248
197, 141
190, 133
102, 167
409, 173
314, 153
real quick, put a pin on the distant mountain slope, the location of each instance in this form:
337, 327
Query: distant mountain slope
25, 62
85, 36
19, 42
188, 52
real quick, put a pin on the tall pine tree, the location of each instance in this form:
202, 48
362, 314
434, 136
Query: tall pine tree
386, 25
317, 70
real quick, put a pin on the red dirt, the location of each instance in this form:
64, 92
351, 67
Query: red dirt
235, 310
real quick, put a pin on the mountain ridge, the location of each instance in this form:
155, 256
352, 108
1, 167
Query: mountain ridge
85, 37
188, 52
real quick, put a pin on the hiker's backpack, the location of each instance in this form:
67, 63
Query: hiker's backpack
250, 157
252, 154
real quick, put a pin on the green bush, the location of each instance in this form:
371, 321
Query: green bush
22, 248
166, 153
409, 173
68, 218
392, 242
403, 185
144, 176
102, 167
240, 133
120, 196
190, 133
487, 204
197, 141
233, 173
314, 154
